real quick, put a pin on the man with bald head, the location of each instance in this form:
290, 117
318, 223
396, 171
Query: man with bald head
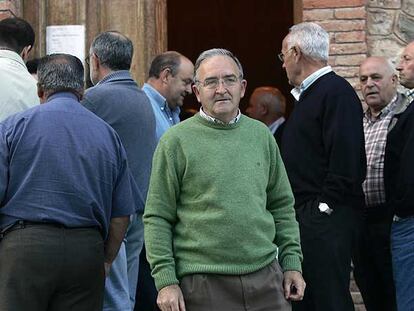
399, 186
372, 256
169, 82
267, 104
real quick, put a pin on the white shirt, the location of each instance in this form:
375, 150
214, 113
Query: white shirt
18, 89
215, 120
275, 125
296, 92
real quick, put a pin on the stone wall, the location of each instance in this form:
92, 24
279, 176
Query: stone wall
361, 28
390, 25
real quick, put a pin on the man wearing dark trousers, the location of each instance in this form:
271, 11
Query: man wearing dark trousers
66, 194
372, 255
323, 150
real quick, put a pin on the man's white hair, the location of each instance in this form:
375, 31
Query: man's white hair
312, 40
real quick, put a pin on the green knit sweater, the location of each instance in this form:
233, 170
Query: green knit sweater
219, 202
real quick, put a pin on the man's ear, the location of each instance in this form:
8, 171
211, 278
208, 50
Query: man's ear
297, 53
25, 52
263, 109
95, 61
196, 92
394, 80
165, 74
243, 88
41, 93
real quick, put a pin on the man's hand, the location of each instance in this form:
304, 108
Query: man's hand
170, 298
294, 285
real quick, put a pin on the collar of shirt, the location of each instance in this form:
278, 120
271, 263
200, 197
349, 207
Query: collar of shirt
273, 127
13, 56
384, 112
160, 100
297, 91
410, 94
62, 95
214, 120
116, 75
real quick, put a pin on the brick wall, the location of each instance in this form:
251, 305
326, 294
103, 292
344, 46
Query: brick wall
345, 21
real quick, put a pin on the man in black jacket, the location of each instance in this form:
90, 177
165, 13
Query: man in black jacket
323, 150
399, 190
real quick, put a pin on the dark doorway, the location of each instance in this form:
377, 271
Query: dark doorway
252, 29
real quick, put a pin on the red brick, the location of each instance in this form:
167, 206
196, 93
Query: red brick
349, 60
343, 25
351, 13
352, 36
321, 4
317, 15
348, 48
347, 71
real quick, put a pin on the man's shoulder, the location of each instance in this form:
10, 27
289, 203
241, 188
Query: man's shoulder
122, 93
334, 88
333, 82
16, 118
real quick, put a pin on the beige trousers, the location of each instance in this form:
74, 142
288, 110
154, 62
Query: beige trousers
258, 291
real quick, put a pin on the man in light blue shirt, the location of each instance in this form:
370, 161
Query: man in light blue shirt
169, 82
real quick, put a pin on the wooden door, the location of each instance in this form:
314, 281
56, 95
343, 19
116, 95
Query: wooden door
143, 21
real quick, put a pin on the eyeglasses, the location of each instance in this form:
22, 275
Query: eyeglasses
281, 56
213, 83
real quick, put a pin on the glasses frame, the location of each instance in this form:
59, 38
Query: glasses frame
220, 80
282, 56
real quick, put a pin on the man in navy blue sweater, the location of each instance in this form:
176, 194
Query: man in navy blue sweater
323, 150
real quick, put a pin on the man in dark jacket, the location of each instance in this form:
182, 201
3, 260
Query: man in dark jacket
324, 153
399, 181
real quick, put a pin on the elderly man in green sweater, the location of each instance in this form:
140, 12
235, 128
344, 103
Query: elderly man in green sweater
219, 222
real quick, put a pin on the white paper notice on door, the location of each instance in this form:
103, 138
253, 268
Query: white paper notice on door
68, 39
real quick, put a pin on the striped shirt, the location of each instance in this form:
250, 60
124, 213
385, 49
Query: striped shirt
375, 131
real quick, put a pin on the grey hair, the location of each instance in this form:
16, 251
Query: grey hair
312, 40
216, 52
113, 49
60, 72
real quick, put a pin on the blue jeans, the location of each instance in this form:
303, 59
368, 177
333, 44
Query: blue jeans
121, 284
402, 249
